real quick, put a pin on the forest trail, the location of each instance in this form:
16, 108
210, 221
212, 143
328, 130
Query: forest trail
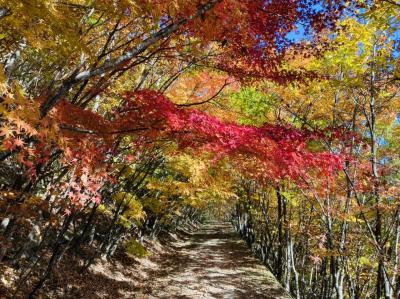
209, 262
212, 262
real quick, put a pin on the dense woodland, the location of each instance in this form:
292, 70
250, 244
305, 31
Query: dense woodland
125, 119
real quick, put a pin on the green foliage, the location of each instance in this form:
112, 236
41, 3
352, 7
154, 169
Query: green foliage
133, 247
253, 105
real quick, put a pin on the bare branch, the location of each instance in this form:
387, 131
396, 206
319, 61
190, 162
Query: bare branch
114, 64
208, 100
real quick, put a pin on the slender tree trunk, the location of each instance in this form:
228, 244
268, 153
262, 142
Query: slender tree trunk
54, 257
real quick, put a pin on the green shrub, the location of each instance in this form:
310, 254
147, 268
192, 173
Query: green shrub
133, 247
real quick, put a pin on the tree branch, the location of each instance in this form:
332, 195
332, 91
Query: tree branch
208, 100
114, 64
393, 2
91, 132
4, 12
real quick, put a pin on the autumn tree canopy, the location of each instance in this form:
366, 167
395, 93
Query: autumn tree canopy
125, 119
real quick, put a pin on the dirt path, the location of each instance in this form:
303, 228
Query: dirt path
212, 262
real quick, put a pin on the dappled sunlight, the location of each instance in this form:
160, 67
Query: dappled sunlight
213, 263
199, 149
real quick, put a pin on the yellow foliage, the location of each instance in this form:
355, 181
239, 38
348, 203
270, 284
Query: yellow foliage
132, 208
133, 247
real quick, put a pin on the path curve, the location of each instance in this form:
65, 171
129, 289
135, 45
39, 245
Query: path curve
212, 262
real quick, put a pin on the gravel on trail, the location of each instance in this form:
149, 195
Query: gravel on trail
212, 262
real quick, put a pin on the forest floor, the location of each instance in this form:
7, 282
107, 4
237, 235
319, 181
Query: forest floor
210, 262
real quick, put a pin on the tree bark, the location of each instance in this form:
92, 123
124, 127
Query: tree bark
113, 64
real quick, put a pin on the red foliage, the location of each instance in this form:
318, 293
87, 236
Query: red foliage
150, 116
89, 142
254, 33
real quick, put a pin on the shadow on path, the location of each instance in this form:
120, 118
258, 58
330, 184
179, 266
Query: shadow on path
212, 263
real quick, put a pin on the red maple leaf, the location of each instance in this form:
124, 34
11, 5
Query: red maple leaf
13, 143
6, 132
